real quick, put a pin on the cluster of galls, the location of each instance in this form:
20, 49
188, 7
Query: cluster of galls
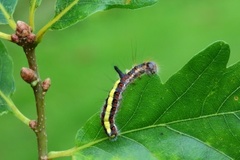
23, 35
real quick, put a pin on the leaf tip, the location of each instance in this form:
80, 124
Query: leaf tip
222, 44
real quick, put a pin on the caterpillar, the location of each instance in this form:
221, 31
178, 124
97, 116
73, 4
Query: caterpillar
112, 102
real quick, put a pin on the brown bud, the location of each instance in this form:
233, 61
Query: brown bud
33, 124
31, 38
28, 75
14, 38
23, 36
23, 29
46, 84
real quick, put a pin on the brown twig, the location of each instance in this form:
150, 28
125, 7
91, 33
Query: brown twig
25, 38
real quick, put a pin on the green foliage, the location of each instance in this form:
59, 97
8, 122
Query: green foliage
194, 115
83, 9
9, 7
7, 86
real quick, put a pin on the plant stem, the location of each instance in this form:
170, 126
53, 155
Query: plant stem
65, 153
71, 151
32, 14
5, 36
14, 109
39, 94
25, 38
8, 17
55, 19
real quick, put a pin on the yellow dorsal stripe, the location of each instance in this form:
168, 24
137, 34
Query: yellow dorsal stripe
109, 107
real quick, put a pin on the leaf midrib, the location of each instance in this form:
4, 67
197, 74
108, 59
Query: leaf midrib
167, 125
180, 121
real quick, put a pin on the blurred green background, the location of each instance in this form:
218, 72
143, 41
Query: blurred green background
80, 59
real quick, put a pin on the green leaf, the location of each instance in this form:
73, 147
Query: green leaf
194, 115
7, 7
83, 9
7, 86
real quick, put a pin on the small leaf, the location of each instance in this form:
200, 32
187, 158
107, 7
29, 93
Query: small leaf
7, 86
194, 115
83, 9
7, 8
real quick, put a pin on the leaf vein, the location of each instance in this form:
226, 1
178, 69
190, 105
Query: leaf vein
225, 100
206, 144
199, 76
140, 144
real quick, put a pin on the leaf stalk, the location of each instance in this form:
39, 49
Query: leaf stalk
8, 17
14, 109
32, 14
71, 151
42, 31
5, 36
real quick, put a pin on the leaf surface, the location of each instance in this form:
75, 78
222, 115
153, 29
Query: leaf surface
7, 86
83, 8
194, 115
7, 7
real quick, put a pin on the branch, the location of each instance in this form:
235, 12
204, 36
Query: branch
25, 38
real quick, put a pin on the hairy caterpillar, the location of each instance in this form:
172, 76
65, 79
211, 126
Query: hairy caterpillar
113, 100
